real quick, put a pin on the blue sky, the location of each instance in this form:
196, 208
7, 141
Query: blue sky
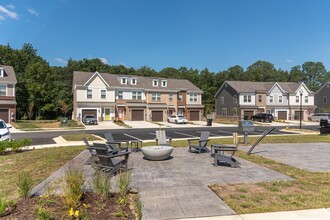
213, 34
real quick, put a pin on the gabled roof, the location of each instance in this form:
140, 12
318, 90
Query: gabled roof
95, 75
9, 76
113, 80
324, 85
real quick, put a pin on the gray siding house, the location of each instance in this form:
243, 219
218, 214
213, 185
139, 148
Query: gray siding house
322, 99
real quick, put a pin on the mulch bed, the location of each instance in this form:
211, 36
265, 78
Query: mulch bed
92, 206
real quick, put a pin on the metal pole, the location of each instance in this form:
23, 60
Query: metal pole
300, 109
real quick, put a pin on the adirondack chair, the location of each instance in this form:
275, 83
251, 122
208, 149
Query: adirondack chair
199, 143
259, 139
111, 163
225, 154
93, 159
115, 147
161, 138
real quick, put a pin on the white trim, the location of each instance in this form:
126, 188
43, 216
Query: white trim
132, 81
164, 81
96, 73
121, 80
155, 84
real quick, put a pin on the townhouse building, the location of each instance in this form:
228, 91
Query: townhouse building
128, 97
281, 99
7, 94
322, 99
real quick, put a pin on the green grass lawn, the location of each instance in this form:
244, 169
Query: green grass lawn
40, 163
79, 137
43, 124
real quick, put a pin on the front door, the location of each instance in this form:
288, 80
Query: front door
107, 114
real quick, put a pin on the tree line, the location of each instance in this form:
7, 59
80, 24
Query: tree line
45, 92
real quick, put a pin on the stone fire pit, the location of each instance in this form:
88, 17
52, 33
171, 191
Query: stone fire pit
157, 152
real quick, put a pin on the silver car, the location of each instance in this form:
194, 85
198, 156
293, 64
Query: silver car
4, 131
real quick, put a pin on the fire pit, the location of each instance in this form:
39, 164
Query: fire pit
157, 152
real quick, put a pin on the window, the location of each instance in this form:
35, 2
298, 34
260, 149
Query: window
224, 112
193, 97
325, 99
120, 95
103, 94
247, 98
180, 97
154, 82
155, 96
2, 72
222, 100
280, 99
89, 93
3, 90
137, 95
259, 98
306, 98
235, 99
170, 97
271, 99
123, 80
297, 99
133, 81
164, 83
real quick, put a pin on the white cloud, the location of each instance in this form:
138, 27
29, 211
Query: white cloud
103, 60
33, 11
8, 13
11, 6
60, 60
289, 61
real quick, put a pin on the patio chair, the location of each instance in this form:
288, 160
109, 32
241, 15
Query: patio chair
115, 147
199, 143
225, 155
161, 138
111, 163
93, 159
259, 139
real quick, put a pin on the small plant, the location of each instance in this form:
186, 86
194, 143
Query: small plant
24, 184
121, 214
102, 184
138, 205
123, 182
72, 188
3, 146
43, 214
74, 213
3, 205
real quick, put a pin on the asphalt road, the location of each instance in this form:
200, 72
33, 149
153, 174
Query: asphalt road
46, 137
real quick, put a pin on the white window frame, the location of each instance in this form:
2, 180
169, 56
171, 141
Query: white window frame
306, 99
120, 94
123, 80
156, 96
222, 100
164, 83
325, 99
105, 94
224, 111
297, 98
280, 99
271, 99
89, 93
247, 98
193, 97
170, 97
133, 81
2, 72
5, 89
259, 98
180, 97
137, 95
155, 82
234, 98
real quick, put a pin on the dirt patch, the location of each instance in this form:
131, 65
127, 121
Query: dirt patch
92, 206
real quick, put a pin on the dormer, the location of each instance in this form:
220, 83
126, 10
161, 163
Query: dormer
155, 82
2, 72
133, 81
164, 83
123, 80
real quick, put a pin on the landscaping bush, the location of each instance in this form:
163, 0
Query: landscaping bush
24, 184
102, 183
73, 188
14, 145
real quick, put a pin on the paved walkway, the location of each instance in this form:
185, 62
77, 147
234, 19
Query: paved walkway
313, 157
177, 188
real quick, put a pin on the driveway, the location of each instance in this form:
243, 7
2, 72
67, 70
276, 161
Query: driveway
141, 124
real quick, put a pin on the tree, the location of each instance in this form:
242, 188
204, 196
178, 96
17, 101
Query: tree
314, 73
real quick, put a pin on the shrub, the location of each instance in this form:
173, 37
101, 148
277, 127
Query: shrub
3, 146
102, 183
3, 205
73, 188
24, 184
123, 182
43, 214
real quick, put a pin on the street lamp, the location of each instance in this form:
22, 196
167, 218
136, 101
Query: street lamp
301, 93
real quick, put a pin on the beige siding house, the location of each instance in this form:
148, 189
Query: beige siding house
7, 94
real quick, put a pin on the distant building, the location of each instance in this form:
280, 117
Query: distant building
7, 94
322, 98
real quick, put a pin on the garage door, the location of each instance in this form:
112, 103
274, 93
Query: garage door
248, 115
282, 115
89, 112
194, 115
137, 115
4, 115
157, 115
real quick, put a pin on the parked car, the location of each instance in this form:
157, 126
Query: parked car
319, 116
263, 117
325, 122
89, 120
179, 119
4, 131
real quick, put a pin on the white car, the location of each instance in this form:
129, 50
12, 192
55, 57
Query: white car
178, 119
4, 131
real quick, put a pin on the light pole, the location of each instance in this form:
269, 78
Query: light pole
301, 93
